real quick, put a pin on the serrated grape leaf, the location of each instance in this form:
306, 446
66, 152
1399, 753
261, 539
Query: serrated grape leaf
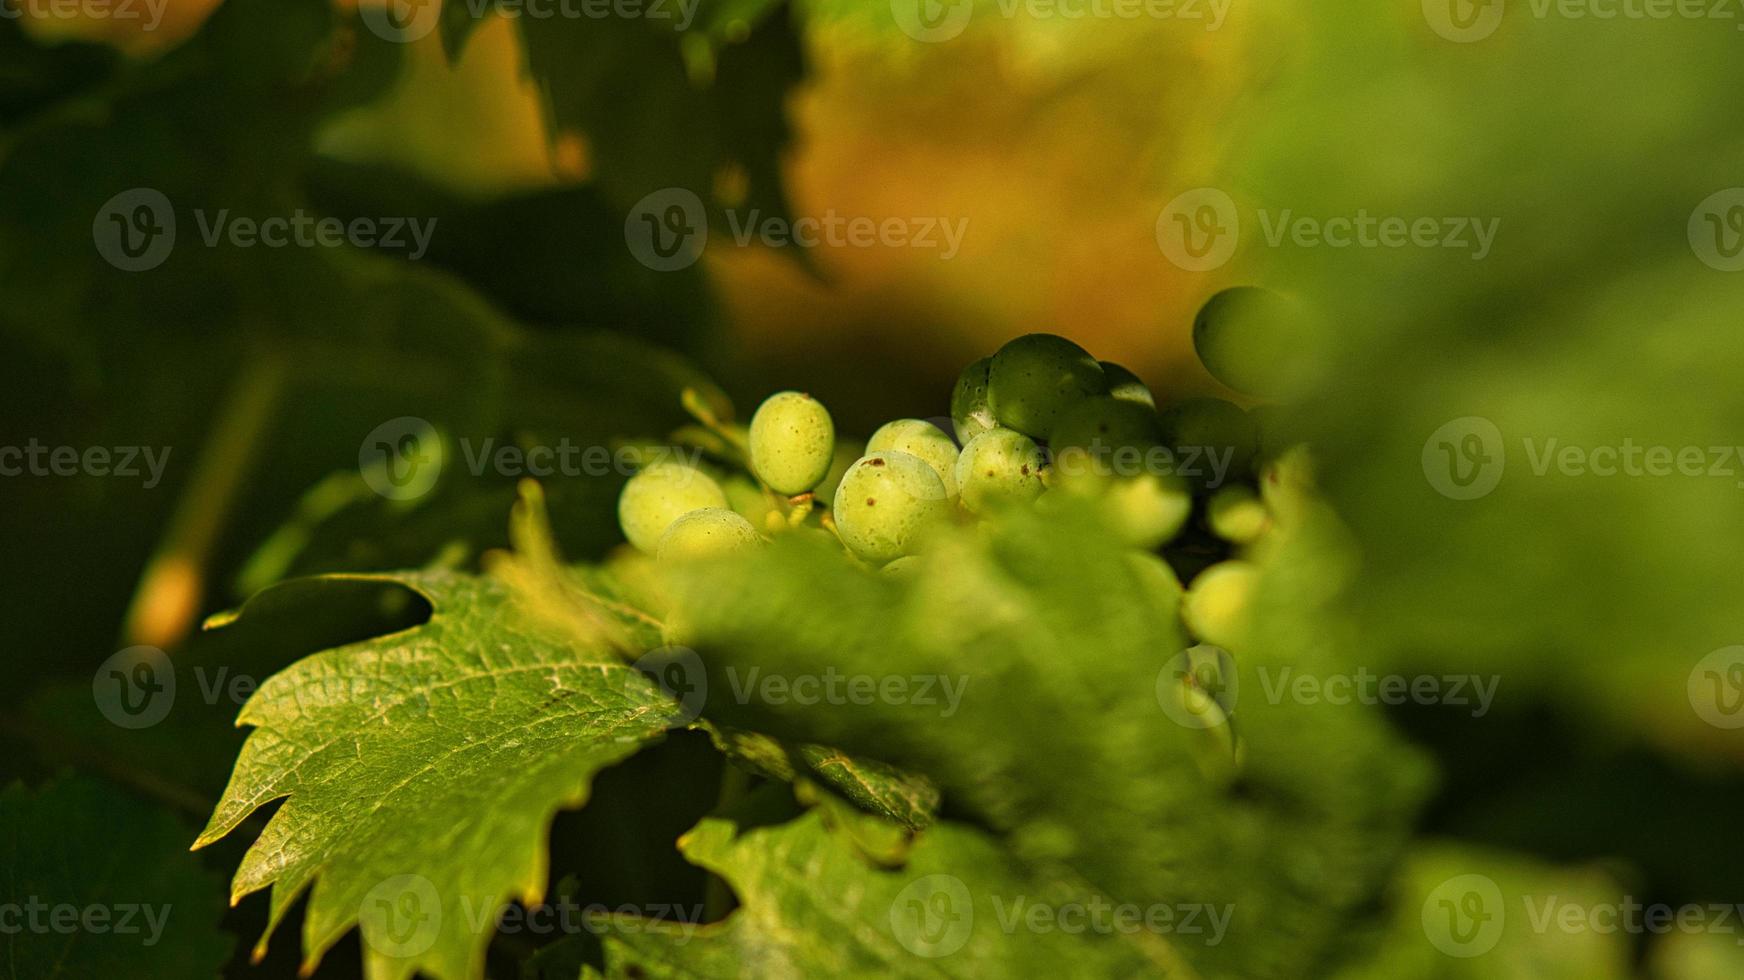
424, 767
630, 585
906, 798
694, 110
811, 906
104, 887
221, 126
1057, 737
507, 247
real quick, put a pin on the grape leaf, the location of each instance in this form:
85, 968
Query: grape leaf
424, 767
694, 111
811, 906
139, 905
1044, 619
906, 798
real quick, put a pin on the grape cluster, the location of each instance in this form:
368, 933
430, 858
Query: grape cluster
1042, 424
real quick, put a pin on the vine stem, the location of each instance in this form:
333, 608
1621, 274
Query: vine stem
168, 597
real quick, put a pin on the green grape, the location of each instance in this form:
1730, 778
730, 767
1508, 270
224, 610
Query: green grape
908, 566
1146, 509
886, 503
750, 501
970, 413
1216, 606
1287, 484
1104, 436
1036, 377
661, 494
999, 466
923, 439
706, 533
1235, 514
1160, 583
1213, 440
1149, 509
1125, 386
1254, 341
792, 442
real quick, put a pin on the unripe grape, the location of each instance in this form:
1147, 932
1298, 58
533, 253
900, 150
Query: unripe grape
886, 503
661, 494
1105, 436
997, 467
1287, 484
1149, 509
750, 501
1254, 341
1036, 377
970, 413
908, 566
922, 439
1211, 435
1125, 386
1158, 581
1235, 514
1216, 606
792, 440
706, 533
